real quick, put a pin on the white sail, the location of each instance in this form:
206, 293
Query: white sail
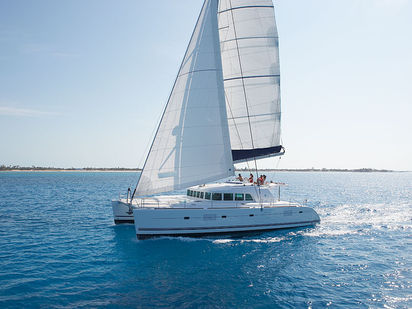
250, 58
192, 144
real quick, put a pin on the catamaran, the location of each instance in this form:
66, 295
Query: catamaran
224, 108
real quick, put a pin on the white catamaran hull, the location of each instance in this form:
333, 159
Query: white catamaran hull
151, 222
122, 213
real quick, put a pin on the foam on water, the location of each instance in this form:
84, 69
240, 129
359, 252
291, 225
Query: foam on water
348, 219
259, 240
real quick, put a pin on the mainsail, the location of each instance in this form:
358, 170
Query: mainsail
250, 59
192, 143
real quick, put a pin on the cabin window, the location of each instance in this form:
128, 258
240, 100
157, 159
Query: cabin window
186, 218
207, 195
188, 192
201, 194
223, 217
217, 196
228, 196
197, 194
248, 197
239, 197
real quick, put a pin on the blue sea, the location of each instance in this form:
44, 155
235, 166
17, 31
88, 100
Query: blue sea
60, 248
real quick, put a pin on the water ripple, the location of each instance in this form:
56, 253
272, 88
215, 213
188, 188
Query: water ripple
59, 248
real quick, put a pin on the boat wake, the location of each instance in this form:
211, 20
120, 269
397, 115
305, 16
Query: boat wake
361, 219
241, 241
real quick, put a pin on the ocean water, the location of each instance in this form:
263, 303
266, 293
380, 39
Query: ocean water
59, 248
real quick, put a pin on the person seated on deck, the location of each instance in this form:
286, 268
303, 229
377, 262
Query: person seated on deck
240, 178
251, 178
260, 180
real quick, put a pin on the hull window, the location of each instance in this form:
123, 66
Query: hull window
239, 196
228, 196
217, 196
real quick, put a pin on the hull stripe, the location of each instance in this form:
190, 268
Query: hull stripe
123, 221
143, 229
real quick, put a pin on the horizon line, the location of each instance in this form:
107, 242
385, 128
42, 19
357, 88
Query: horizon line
312, 169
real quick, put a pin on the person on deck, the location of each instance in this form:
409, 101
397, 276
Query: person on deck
260, 180
251, 178
240, 178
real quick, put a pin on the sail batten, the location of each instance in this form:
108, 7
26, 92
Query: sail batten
251, 76
192, 143
246, 7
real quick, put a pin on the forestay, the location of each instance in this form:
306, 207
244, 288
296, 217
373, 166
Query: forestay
250, 58
192, 143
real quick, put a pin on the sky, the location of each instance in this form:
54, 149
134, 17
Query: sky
83, 82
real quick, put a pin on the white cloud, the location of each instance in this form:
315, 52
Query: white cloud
23, 112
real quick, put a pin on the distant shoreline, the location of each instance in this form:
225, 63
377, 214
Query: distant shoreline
358, 170
57, 169
52, 169
69, 170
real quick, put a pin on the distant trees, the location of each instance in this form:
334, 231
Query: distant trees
40, 168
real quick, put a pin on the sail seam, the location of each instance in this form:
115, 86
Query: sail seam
257, 115
246, 7
251, 76
196, 71
250, 37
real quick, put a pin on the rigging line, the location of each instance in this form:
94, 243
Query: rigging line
244, 92
170, 95
149, 140
237, 130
